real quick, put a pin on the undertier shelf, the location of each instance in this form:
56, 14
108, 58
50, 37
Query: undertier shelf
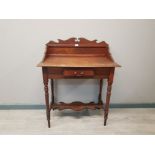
77, 106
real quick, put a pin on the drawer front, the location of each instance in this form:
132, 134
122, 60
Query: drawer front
78, 73
63, 72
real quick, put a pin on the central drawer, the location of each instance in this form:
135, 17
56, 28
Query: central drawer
78, 72
63, 72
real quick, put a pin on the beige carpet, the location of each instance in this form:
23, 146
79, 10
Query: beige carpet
121, 121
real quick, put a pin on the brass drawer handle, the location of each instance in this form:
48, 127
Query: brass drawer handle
82, 73
75, 73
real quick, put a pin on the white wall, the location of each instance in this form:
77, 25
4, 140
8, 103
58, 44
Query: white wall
132, 43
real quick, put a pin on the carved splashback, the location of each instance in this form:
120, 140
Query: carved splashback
77, 42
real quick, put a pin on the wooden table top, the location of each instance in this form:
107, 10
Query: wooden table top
80, 61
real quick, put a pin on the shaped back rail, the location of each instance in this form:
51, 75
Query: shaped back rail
77, 47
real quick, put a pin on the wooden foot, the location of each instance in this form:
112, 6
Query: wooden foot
48, 117
105, 118
49, 124
105, 122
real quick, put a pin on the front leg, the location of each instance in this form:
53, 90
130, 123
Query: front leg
45, 80
109, 88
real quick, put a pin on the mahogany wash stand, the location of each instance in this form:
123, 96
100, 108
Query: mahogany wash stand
77, 58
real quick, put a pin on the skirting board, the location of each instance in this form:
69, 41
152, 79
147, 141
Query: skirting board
42, 106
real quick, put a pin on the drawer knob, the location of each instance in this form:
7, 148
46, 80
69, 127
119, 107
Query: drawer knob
75, 73
81, 73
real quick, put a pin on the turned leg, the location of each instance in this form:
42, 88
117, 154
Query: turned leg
109, 87
100, 92
45, 80
47, 103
